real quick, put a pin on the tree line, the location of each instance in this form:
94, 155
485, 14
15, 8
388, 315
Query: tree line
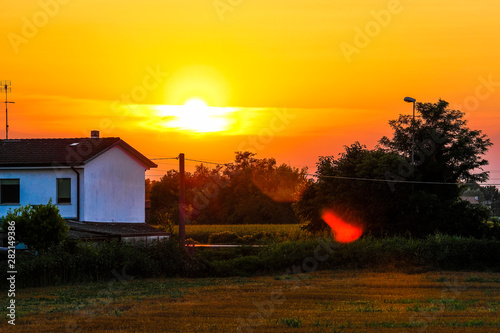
246, 191
410, 184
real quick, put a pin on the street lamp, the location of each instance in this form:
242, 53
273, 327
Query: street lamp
412, 100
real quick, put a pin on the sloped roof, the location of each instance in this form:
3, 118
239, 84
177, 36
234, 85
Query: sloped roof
61, 152
471, 199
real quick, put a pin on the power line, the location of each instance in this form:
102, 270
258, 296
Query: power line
383, 180
188, 159
207, 162
164, 158
394, 180
340, 177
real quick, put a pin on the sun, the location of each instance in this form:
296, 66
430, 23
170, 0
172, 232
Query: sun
195, 116
195, 104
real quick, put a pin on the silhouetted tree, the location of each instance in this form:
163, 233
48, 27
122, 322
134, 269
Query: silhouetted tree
148, 184
247, 191
446, 151
342, 187
165, 198
257, 191
492, 196
418, 198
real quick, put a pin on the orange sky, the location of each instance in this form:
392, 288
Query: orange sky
289, 79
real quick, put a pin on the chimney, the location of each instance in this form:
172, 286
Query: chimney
94, 134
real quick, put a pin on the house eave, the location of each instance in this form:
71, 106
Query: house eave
38, 167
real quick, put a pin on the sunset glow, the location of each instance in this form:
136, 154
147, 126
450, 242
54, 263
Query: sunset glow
250, 165
195, 116
343, 232
341, 69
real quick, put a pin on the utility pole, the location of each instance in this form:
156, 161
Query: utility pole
413, 137
182, 195
5, 86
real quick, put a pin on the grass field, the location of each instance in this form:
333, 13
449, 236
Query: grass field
325, 301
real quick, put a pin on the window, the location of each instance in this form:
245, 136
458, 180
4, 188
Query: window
9, 191
63, 190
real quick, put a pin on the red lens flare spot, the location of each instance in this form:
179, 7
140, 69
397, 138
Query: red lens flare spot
342, 231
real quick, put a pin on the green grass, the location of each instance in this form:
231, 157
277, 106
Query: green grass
469, 323
478, 279
441, 279
368, 308
292, 322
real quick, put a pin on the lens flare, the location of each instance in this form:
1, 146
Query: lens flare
342, 231
281, 190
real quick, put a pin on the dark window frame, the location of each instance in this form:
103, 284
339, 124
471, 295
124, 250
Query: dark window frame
63, 200
10, 194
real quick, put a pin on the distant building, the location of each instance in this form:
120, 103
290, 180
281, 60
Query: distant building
472, 200
488, 203
90, 179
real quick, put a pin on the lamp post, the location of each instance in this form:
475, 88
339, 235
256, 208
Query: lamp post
412, 100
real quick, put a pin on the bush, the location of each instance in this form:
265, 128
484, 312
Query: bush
225, 237
90, 262
163, 219
67, 263
255, 238
39, 227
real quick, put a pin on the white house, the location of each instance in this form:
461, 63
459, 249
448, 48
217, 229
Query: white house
90, 179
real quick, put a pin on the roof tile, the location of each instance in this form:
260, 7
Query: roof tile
59, 152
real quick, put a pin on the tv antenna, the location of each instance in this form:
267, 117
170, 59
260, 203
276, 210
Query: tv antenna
5, 86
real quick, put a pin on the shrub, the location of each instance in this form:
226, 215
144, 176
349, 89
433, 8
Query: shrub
225, 237
39, 227
261, 235
70, 263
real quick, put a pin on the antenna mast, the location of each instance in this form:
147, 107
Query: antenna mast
5, 86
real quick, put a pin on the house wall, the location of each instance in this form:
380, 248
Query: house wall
113, 188
38, 186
